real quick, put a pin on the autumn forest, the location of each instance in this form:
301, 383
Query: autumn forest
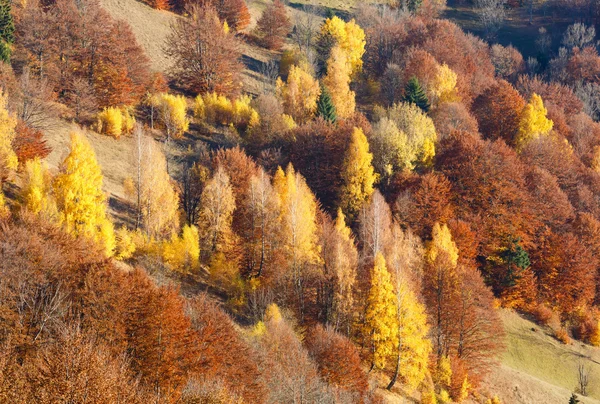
231, 201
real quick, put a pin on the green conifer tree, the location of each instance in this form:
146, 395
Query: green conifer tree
414, 94
574, 399
7, 30
325, 107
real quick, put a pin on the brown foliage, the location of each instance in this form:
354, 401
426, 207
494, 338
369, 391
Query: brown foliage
453, 116
584, 65
273, 26
29, 143
487, 182
215, 65
221, 354
337, 360
318, 154
498, 111
69, 40
235, 12
562, 267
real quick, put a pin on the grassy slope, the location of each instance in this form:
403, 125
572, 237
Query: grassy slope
536, 368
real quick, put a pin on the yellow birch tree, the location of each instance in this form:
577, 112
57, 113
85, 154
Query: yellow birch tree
337, 81
79, 196
358, 175
381, 318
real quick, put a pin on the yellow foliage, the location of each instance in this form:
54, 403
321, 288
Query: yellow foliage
8, 158
414, 345
37, 190
272, 313
595, 165
298, 217
79, 196
350, 37
244, 116
125, 247
464, 390
4, 211
403, 138
128, 121
341, 227
443, 372
289, 121
299, 94
258, 330
533, 122
444, 397
493, 400
226, 27
595, 337
337, 81
442, 243
114, 121
358, 174
218, 204
428, 397
381, 321
183, 253
443, 88
172, 112
199, 108
215, 109
159, 199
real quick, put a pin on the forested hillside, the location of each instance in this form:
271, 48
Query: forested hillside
268, 202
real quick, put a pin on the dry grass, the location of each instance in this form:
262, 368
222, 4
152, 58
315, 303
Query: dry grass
150, 27
536, 368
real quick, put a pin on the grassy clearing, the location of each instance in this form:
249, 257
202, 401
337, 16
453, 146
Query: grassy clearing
536, 368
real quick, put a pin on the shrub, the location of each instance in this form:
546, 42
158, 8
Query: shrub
182, 253
172, 113
562, 335
110, 122
215, 109
115, 121
125, 246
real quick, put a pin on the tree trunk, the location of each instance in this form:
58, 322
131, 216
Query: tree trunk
395, 376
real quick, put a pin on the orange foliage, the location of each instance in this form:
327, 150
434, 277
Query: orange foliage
29, 143
337, 360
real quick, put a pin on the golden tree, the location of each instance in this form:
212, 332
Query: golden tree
79, 196
337, 82
158, 198
349, 36
8, 123
37, 190
214, 222
381, 317
298, 233
443, 88
299, 94
533, 122
183, 252
172, 113
358, 175
409, 142
413, 347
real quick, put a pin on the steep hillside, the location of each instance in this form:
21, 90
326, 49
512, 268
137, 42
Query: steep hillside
536, 368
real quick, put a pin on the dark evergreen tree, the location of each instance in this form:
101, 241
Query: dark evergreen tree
414, 94
325, 107
574, 399
7, 30
514, 256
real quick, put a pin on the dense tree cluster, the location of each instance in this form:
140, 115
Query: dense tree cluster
395, 181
